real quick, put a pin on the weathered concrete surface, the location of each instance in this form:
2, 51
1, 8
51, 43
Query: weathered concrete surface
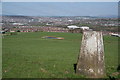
91, 58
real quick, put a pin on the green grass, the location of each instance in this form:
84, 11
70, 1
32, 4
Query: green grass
27, 55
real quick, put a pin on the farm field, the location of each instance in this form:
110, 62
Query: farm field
27, 55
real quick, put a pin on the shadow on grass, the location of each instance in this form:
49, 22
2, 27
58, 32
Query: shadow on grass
118, 68
75, 66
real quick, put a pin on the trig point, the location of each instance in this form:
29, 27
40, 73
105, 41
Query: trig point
91, 58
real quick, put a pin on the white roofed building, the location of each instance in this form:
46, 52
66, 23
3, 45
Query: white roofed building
84, 28
72, 27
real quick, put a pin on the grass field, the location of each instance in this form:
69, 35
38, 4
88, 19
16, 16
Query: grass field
27, 55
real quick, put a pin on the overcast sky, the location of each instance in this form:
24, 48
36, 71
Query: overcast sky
60, 0
60, 8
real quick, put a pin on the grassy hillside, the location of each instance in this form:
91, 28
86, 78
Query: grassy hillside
27, 55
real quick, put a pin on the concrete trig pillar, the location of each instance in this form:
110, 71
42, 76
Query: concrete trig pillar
91, 58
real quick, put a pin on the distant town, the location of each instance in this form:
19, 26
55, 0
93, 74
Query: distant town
73, 24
